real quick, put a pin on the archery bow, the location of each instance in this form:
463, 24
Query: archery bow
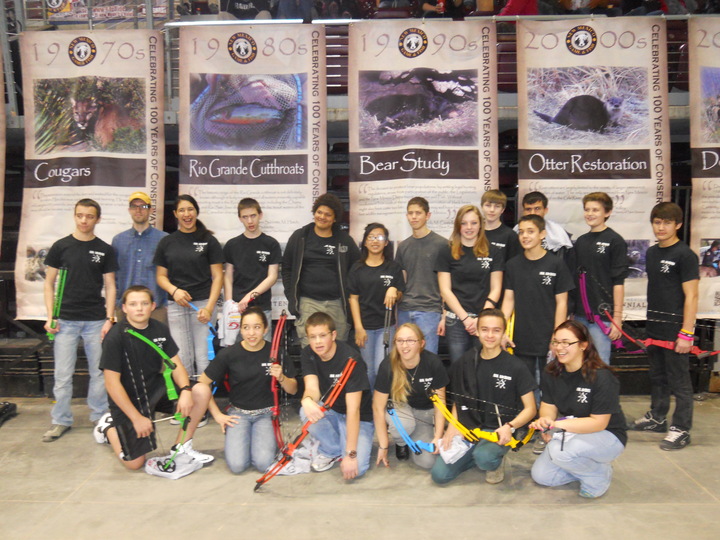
274, 383
475, 435
590, 315
416, 446
59, 292
510, 330
285, 455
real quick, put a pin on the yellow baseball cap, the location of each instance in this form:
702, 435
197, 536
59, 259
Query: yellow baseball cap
140, 195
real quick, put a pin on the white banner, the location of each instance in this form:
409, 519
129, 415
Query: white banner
93, 128
422, 102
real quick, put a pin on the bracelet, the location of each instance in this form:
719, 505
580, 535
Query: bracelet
173, 293
186, 388
381, 448
465, 318
686, 332
685, 337
493, 302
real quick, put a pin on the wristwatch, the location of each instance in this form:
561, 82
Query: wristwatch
185, 388
352, 454
512, 429
112, 319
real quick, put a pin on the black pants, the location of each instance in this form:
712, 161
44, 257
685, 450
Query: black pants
670, 374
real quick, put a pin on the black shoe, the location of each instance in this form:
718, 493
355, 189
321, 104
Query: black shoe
649, 423
402, 452
7, 411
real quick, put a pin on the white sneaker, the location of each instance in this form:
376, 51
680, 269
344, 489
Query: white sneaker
539, 446
203, 421
496, 476
323, 463
186, 448
100, 429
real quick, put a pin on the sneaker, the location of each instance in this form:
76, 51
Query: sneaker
539, 446
402, 452
648, 423
676, 439
323, 463
496, 476
174, 421
186, 448
204, 420
7, 411
55, 432
100, 429
586, 494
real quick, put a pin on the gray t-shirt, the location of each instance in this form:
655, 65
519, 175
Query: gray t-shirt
417, 257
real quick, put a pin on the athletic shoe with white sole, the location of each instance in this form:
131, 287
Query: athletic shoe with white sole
100, 429
649, 423
323, 463
187, 448
55, 432
676, 439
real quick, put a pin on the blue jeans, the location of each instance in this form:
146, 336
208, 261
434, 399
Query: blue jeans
428, 322
251, 440
585, 457
374, 352
600, 339
65, 353
457, 338
485, 455
331, 432
420, 425
190, 335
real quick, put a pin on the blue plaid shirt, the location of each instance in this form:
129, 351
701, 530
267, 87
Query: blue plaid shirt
135, 252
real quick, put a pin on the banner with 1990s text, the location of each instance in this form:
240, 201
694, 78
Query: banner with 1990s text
93, 129
422, 105
593, 116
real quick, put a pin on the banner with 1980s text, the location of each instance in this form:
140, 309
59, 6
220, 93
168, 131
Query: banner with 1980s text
93, 129
593, 116
422, 105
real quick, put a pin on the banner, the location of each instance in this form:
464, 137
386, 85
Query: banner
93, 128
422, 103
704, 49
593, 116
252, 123
76, 11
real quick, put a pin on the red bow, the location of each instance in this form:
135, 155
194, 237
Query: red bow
274, 383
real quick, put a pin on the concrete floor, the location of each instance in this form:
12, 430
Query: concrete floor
75, 488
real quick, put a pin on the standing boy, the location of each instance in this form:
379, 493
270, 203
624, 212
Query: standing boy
602, 256
536, 288
493, 203
672, 296
421, 303
252, 260
135, 249
90, 264
136, 387
493, 391
345, 432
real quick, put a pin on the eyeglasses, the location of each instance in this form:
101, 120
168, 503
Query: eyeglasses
379, 237
563, 344
139, 206
406, 341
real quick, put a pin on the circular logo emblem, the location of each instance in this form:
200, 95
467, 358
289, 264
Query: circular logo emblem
581, 40
242, 48
56, 6
82, 51
412, 42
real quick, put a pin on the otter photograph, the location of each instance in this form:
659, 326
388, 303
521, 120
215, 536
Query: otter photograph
89, 114
589, 105
710, 109
421, 106
248, 112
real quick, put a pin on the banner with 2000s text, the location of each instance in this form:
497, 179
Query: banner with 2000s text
704, 78
593, 116
93, 129
422, 104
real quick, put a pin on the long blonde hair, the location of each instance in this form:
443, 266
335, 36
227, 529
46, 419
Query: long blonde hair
481, 247
400, 387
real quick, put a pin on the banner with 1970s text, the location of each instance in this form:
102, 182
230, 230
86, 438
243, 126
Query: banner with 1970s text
422, 105
593, 116
93, 129
704, 78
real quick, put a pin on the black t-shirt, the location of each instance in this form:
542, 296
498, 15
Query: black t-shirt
505, 240
470, 276
429, 373
574, 396
188, 260
249, 375
371, 283
251, 258
603, 255
667, 269
86, 263
500, 381
535, 284
120, 350
319, 277
247, 9
328, 372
